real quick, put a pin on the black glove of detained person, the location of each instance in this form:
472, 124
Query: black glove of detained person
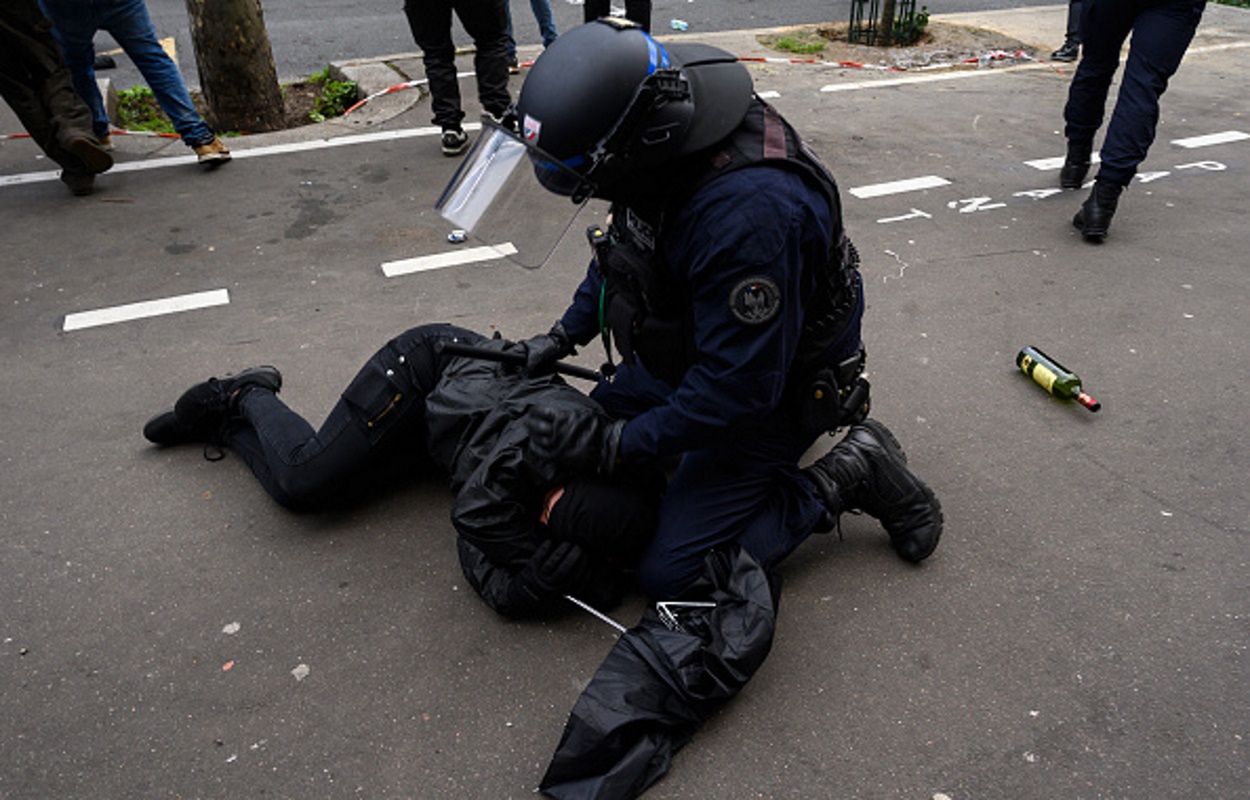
553, 567
577, 439
543, 351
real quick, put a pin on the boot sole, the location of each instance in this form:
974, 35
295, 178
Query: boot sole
93, 156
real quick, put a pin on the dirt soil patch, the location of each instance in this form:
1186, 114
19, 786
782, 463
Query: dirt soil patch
942, 43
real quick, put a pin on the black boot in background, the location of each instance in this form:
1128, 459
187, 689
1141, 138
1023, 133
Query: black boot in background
1068, 52
1096, 212
1076, 165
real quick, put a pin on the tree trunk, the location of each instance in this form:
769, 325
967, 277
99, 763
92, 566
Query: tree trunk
237, 75
885, 33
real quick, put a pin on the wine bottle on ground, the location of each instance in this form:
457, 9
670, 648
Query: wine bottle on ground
1053, 377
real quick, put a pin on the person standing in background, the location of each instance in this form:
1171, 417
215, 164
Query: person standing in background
486, 22
1071, 47
1162, 31
638, 11
546, 28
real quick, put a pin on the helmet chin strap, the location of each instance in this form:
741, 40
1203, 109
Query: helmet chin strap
623, 149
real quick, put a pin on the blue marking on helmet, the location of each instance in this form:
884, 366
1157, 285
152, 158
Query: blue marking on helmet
657, 56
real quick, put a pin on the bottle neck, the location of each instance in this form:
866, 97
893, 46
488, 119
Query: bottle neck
1087, 401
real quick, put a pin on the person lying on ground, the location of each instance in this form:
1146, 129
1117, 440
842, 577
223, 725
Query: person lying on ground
528, 532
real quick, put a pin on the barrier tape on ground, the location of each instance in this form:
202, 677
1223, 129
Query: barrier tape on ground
113, 132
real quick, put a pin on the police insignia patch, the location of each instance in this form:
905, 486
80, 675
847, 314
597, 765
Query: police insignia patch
755, 300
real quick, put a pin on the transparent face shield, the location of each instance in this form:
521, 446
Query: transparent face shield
513, 196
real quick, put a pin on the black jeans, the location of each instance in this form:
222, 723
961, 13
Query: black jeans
36, 84
635, 11
374, 433
1162, 31
486, 21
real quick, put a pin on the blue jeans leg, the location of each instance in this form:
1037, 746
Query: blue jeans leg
546, 20
75, 27
128, 22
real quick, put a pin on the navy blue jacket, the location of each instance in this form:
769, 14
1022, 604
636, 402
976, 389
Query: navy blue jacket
758, 221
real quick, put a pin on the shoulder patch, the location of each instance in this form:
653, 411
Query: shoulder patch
755, 300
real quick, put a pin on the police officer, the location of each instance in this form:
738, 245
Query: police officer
726, 284
1162, 31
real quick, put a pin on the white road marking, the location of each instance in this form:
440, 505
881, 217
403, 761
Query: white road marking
913, 214
769, 95
449, 258
1211, 138
982, 73
147, 308
897, 187
946, 76
1057, 162
251, 152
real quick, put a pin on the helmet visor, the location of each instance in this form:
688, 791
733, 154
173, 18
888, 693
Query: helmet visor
513, 196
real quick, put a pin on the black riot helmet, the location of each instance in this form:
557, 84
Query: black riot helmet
606, 103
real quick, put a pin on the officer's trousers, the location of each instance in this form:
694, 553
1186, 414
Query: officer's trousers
1162, 30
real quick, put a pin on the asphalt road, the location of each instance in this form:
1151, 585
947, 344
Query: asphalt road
308, 34
168, 631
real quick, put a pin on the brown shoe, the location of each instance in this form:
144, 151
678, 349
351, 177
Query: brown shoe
90, 152
214, 152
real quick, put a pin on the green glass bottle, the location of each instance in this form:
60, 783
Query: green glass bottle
1053, 377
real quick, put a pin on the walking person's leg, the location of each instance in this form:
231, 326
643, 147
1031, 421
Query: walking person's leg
545, 19
639, 11
1106, 24
75, 25
128, 22
430, 22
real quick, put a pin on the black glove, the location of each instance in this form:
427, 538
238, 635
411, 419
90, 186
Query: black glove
578, 439
553, 567
542, 352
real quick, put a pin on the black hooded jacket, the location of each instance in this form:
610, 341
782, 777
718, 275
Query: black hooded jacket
475, 431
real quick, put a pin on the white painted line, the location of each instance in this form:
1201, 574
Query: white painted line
450, 258
147, 308
897, 187
252, 152
1211, 138
951, 76
984, 73
769, 95
1057, 162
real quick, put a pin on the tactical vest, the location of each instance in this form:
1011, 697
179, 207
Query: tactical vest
650, 314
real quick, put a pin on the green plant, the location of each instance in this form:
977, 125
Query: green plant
791, 44
335, 97
909, 28
137, 110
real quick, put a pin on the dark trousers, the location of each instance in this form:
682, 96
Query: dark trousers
1073, 32
36, 84
746, 488
635, 11
1162, 30
374, 433
486, 21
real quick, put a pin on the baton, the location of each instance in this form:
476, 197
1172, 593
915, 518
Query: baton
516, 359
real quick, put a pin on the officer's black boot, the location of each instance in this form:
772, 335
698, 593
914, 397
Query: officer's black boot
199, 413
1070, 49
1076, 165
867, 471
1096, 212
